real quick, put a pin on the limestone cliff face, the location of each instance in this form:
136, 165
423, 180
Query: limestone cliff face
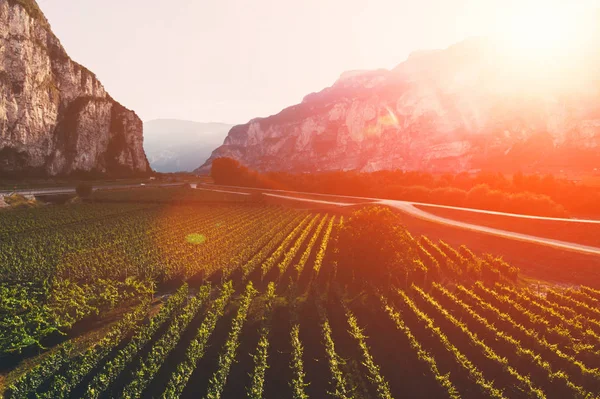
55, 116
468, 107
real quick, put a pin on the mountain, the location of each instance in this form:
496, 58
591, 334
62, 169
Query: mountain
475, 105
175, 145
56, 118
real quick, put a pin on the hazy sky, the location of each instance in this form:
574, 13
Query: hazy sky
232, 60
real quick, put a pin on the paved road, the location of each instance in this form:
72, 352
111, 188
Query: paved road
409, 208
416, 212
70, 190
314, 201
370, 199
40, 191
222, 191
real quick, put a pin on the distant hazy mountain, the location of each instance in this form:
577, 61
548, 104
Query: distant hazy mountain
176, 145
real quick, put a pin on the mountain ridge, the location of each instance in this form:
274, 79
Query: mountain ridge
471, 106
57, 117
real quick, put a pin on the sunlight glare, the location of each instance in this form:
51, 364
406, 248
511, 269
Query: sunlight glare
544, 46
545, 29
542, 30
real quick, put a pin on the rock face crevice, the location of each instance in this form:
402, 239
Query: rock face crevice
55, 116
469, 107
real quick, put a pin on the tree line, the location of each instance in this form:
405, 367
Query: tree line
527, 194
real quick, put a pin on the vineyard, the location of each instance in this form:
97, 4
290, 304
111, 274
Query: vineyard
242, 299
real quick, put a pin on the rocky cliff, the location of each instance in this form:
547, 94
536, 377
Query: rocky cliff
472, 106
55, 116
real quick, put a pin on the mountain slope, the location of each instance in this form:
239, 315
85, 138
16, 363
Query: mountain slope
55, 116
176, 145
472, 106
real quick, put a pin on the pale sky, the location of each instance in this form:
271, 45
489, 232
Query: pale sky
233, 60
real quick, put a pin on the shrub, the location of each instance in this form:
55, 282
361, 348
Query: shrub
449, 196
536, 204
483, 197
416, 194
84, 190
19, 201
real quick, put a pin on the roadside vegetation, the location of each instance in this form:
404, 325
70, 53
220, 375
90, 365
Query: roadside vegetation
525, 194
20, 201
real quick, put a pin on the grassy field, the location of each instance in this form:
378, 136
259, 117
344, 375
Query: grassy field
183, 293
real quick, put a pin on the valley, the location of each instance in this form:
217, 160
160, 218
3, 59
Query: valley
254, 293
427, 225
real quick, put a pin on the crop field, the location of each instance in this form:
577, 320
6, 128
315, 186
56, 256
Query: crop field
173, 195
238, 299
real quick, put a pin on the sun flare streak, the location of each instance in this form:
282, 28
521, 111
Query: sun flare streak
547, 29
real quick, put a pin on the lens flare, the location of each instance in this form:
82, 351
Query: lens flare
196, 238
390, 119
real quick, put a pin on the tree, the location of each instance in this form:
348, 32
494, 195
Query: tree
373, 246
228, 171
84, 190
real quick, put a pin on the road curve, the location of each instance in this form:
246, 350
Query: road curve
473, 210
409, 208
418, 213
